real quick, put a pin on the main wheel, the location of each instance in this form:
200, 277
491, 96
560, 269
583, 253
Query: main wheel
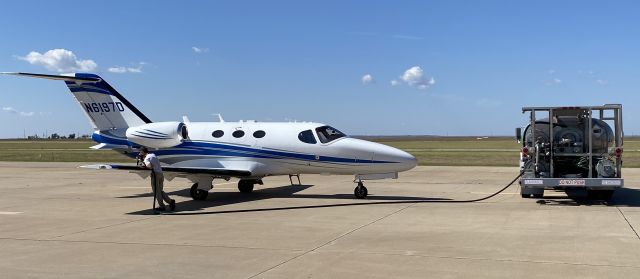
245, 186
198, 194
360, 191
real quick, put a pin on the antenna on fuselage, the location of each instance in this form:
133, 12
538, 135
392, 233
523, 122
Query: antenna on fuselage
219, 117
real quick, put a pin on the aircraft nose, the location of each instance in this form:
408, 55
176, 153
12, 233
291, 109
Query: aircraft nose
404, 160
385, 158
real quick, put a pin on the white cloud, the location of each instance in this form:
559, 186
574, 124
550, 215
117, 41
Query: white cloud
200, 49
394, 82
60, 60
415, 76
21, 113
553, 81
122, 69
602, 81
368, 79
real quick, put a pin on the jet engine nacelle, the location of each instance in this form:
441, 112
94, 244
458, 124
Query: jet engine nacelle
158, 135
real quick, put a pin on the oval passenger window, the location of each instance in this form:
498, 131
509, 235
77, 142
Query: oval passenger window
259, 134
238, 134
217, 134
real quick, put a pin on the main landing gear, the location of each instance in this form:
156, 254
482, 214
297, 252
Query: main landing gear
198, 194
360, 191
246, 185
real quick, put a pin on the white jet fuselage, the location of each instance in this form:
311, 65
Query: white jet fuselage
279, 148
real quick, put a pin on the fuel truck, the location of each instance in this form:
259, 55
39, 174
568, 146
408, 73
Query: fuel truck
567, 148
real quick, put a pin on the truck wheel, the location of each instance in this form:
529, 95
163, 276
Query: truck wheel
525, 196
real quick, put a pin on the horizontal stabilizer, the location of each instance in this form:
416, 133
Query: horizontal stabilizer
70, 77
106, 146
105, 107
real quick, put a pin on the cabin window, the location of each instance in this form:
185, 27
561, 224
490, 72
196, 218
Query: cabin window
238, 134
259, 134
329, 134
217, 134
307, 137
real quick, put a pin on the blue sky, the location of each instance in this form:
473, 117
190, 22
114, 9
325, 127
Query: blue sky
365, 67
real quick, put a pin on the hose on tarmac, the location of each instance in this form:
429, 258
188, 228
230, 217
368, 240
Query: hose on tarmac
492, 195
426, 200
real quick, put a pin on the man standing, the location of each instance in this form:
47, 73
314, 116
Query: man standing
150, 161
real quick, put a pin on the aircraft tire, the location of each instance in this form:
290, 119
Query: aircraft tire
198, 194
360, 191
245, 186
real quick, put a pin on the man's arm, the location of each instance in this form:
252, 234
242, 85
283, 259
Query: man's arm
147, 163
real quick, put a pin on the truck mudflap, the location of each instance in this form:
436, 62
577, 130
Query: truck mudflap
591, 183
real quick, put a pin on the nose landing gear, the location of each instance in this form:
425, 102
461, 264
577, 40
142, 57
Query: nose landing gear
360, 191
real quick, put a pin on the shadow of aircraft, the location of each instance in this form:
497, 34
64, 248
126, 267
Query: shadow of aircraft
193, 207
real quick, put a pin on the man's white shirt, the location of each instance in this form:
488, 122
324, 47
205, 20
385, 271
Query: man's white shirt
152, 160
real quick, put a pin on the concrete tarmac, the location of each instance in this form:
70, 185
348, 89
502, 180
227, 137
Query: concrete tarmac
58, 221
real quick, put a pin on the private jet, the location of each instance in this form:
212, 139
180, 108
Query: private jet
247, 150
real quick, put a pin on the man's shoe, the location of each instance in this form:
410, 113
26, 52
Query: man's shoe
160, 209
172, 205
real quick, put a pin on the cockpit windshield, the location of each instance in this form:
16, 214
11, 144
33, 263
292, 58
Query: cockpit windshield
328, 134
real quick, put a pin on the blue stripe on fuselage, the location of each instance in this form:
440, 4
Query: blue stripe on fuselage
219, 149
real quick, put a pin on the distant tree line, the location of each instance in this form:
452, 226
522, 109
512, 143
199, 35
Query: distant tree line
56, 136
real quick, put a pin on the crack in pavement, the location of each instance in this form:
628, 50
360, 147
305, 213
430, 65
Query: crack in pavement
628, 223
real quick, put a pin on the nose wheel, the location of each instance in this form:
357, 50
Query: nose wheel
360, 191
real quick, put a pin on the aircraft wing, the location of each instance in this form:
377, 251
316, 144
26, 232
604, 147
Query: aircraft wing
176, 170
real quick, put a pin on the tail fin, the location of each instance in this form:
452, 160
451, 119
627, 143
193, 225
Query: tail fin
103, 105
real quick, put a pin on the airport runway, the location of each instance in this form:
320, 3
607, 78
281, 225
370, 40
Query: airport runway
63, 222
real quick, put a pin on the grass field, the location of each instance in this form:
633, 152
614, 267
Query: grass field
430, 151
